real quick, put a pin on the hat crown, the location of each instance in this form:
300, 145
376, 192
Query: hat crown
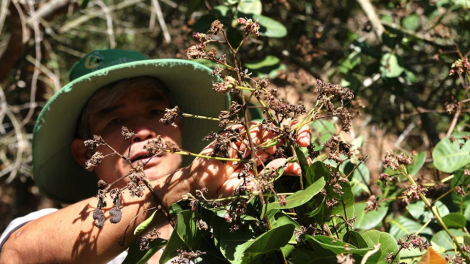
100, 59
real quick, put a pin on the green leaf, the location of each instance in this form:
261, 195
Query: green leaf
391, 65
317, 171
265, 243
371, 219
203, 24
193, 6
305, 256
400, 226
322, 130
449, 156
411, 22
441, 240
333, 244
347, 199
388, 244
350, 81
222, 12
250, 7
418, 162
264, 62
360, 177
454, 220
268, 66
279, 218
351, 61
268, 27
300, 197
142, 226
303, 162
231, 243
186, 235
356, 239
137, 256
460, 179
420, 212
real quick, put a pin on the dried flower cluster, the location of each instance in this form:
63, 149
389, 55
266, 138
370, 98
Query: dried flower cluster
460, 66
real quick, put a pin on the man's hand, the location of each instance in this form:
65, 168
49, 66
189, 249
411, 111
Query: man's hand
222, 178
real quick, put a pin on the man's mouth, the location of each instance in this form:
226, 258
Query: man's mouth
141, 155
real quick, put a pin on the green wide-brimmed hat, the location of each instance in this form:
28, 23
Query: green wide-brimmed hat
57, 174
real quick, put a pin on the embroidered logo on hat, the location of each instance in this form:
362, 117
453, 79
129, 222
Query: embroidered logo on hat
93, 60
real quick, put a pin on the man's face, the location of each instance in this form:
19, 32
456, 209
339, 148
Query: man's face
139, 109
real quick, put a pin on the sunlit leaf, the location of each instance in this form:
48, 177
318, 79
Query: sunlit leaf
388, 244
264, 62
300, 197
418, 162
268, 26
351, 61
450, 156
454, 220
420, 212
360, 177
371, 219
250, 7
391, 65
142, 226
267, 242
401, 226
411, 22
444, 241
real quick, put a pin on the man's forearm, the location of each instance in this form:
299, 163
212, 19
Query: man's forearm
70, 236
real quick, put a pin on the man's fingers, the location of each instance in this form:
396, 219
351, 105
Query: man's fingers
304, 134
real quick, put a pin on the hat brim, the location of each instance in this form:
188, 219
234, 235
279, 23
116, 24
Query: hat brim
58, 174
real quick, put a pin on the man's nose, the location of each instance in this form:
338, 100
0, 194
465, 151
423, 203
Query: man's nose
142, 132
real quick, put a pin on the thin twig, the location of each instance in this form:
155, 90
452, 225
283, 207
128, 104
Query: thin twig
3, 13
37, 62
161, 20
109, 23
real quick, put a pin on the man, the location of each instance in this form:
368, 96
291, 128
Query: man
126, 89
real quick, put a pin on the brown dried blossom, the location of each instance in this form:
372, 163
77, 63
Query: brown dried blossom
156, 147
412, 193
372, 204
186, 256
325, 88
345, 258
127, 133
144, 241
249, 26
197, 51
172, 116
227, 85
389, 160
94, 143
95, 160
404, 159
216, 27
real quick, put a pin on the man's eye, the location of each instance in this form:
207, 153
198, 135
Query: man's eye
114, 121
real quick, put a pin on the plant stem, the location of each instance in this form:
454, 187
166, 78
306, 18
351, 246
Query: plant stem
437, 216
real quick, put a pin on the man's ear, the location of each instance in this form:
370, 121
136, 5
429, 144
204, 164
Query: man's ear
80, 152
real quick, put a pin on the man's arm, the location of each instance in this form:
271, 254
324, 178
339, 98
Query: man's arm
70, 236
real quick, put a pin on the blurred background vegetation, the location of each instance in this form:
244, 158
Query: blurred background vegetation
395, 56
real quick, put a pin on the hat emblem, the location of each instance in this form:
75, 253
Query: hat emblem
93, 61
